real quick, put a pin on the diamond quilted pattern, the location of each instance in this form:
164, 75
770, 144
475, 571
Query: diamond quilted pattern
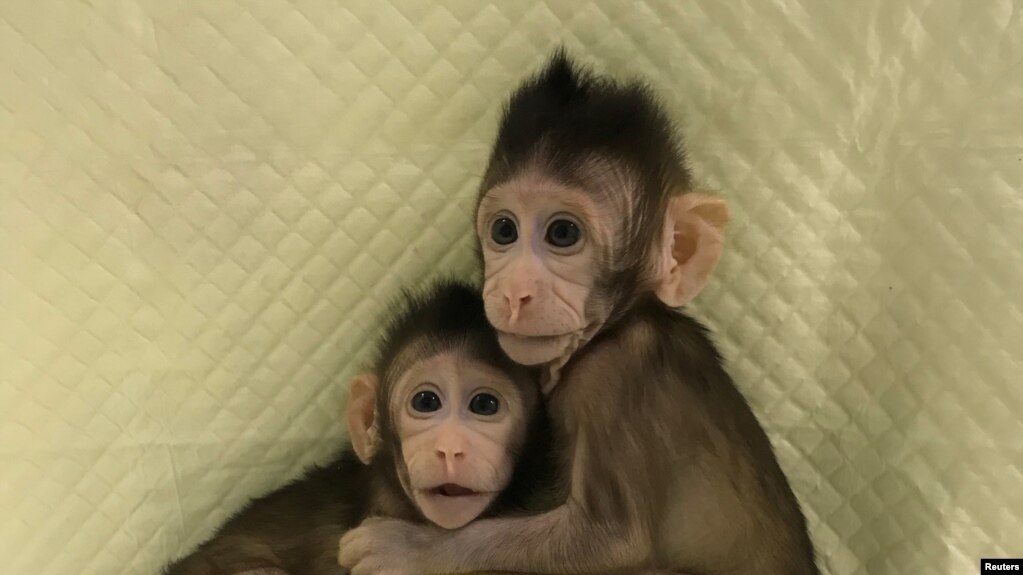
204, 207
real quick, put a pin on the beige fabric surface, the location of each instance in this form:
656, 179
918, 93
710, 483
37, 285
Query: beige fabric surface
205, 205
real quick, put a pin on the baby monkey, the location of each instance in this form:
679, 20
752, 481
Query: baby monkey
437, 429
591, 235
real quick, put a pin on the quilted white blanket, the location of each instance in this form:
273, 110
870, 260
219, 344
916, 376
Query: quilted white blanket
203, 206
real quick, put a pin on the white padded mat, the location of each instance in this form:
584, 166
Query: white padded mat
203, 206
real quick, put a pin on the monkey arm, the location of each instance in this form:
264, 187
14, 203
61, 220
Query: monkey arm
564, 540
593, 531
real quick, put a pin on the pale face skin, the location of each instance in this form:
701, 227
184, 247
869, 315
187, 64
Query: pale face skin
456, 419
542, 243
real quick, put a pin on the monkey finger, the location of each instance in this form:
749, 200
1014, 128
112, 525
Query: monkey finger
352, 548
377, 570
348, 557
372, 521
365, 568
370, 566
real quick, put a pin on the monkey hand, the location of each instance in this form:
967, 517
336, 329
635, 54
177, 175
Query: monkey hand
382, 546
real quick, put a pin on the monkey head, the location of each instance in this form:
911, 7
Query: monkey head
585, 207
445, 407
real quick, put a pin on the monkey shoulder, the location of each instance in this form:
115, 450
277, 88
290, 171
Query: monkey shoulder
653, 338
291, 525
332, 492
661, 365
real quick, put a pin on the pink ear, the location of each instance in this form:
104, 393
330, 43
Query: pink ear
362, 415
693, 241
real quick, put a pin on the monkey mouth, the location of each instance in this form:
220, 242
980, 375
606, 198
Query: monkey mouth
451, 506
535, 349
537, 338
453, 490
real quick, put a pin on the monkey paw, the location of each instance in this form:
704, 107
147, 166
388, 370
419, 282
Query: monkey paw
382, 546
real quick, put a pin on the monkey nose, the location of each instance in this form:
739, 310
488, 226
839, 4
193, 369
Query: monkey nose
450, 452
450, 443
450, 457
515, 304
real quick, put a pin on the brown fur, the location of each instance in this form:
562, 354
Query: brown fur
294, 529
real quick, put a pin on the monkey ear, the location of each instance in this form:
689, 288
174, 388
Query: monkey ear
693, 239
362, 416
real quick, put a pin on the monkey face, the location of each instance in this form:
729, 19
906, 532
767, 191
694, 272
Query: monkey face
543, 246
460, 422
551, 253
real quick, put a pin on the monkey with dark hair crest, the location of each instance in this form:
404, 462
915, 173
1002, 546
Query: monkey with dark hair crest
444, 429
591, 237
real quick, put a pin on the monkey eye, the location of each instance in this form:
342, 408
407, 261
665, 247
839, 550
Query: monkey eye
484, 404
425, 402
563, 233
503, 231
